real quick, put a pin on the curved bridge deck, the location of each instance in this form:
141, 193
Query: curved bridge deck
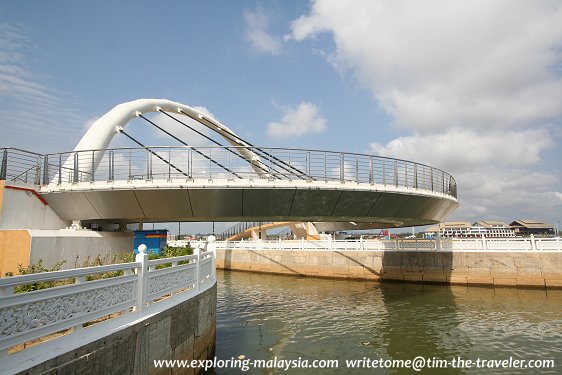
216, 184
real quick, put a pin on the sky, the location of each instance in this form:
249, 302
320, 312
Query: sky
470, 87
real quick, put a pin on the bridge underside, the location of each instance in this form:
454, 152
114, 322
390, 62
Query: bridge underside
366, 207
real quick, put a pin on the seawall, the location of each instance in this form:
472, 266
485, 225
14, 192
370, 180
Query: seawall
498, 268
184, 332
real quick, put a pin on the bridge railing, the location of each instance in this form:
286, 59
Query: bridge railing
20, 165
187, 163
83, 298
457, 244
241, 227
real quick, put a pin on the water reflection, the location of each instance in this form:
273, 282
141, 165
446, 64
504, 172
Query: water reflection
263, 316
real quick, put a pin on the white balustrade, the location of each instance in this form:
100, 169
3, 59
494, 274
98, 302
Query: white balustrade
449, 244
27, 316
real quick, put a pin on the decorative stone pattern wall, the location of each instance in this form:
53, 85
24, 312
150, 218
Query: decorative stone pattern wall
184, 332
508, 268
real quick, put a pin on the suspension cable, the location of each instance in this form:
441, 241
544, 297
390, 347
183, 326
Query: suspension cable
154, 153
281, 163
191, 147
219, 144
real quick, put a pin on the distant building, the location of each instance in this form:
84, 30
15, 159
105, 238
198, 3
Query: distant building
449, 229
464, 229
535, 227
492, 228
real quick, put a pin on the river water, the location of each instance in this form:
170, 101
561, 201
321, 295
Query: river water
265, 317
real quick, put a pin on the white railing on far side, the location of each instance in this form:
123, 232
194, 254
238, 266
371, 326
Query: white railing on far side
450, 244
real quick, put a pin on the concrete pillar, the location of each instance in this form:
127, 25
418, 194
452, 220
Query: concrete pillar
254, 234
533, 243
196, 252
141, 257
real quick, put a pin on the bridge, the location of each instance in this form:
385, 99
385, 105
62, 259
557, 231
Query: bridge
92, 185
234, 182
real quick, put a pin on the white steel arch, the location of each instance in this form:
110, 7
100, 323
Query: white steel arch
102, 131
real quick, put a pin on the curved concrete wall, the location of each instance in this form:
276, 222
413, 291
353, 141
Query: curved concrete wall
184, 332
509, 268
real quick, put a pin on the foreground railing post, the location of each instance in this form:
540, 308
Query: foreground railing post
212, 247
484, 243
142, 273
197, 253
533, 243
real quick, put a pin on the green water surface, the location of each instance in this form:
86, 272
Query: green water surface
265, 316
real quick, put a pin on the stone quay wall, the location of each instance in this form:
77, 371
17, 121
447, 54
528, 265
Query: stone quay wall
523, 269
183, 332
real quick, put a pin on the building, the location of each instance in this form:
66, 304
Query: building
449, 229
463, 229
535, 227
492, 228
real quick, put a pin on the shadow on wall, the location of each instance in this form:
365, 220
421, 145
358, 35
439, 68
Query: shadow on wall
402, 265
418, 266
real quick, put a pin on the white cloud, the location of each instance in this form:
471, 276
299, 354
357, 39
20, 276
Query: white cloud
296, 121
257, 22
461, 149
435, 64
477, 84
33, 115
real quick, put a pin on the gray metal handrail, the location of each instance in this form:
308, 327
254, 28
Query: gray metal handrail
241, 227
17, 165
158, 162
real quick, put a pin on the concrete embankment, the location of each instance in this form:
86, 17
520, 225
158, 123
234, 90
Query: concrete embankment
184, 332
508, 268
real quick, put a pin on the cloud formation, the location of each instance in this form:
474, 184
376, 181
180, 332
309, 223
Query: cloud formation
477, 84
297, 121
28, 107
257, 22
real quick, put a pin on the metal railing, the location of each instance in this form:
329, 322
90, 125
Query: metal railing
19, 165
81, 301
172, 163
241, 227
474, 244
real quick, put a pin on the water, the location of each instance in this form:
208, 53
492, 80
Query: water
265, 316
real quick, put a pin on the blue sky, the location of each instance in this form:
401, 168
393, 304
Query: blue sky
472, 87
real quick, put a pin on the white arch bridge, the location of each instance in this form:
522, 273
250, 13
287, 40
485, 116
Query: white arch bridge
234, 182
